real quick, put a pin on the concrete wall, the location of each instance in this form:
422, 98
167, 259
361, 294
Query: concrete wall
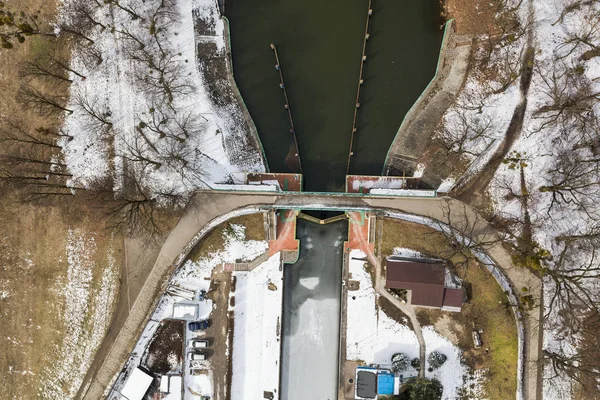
421, 120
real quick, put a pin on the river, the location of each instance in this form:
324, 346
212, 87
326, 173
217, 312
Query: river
319, 45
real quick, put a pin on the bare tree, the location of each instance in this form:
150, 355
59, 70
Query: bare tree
84, 14
527, 252
165, 123
138, 150
468, 232
16, 132
508, 65
164, 79
91, 55
468, 132
15, 160
136, 210
80, 19
42, 103
575, 274
54, 59
573, 183
97, 111
38, 69
160, 71
501, 59
584, 35
128, 8
164, 14
570, 102
582, 365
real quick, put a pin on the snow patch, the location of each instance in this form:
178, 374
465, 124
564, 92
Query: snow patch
257, 333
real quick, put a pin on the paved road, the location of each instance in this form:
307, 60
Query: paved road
207, 209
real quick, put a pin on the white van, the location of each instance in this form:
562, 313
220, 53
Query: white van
198, 344
197, 356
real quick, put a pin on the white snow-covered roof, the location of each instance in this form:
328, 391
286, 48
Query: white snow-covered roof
185, 310
404, 192
446, 185
175, 386
247, 188
137, 385
164, 384
451, 281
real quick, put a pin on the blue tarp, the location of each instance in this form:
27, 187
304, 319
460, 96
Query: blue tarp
385, 383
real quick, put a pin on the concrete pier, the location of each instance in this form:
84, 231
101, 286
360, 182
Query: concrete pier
363, 59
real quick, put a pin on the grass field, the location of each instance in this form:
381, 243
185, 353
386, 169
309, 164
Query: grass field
487, 309
58, 277
59, 268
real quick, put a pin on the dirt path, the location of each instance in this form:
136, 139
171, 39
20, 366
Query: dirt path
472, 190
218, 333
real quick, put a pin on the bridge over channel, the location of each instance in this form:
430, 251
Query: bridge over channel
207, 209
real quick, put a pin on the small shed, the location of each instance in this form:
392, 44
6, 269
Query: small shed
185, 310
171, 386
137, 385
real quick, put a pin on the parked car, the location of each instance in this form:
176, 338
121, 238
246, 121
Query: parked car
197, 356
198, 344
202, 295
199, 325
476, 339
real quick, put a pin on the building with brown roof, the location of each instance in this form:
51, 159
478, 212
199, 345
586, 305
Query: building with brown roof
429, 281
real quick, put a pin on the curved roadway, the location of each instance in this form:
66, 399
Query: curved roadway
207, 209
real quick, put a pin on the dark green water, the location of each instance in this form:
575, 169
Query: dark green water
319, 45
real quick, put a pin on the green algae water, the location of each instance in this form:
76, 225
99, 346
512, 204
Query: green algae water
320, 46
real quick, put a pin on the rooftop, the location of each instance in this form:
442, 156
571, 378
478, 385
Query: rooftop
366, 383
430, 282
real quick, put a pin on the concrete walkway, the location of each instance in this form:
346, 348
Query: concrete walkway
207, 209
410, 312
406, 308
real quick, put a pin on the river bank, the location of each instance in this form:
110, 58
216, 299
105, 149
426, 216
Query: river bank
419, 124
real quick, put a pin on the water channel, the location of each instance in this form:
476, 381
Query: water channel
311, 322
320, 45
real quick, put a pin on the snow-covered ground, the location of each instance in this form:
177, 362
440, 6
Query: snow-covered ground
257, 333
143, 112
201, 384
373, 337
561, 125
193, 276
